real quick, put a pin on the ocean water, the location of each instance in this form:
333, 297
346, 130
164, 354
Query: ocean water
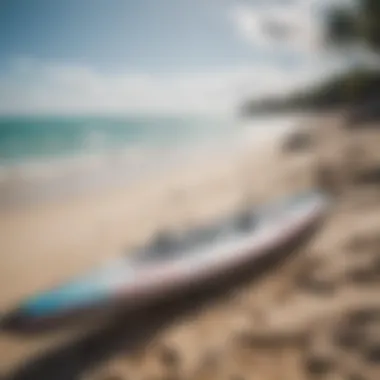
45, 138
41, 156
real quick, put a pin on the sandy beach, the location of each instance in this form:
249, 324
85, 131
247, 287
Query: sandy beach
45, 243
268, 329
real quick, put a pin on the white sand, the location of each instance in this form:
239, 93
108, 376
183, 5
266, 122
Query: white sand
51, 242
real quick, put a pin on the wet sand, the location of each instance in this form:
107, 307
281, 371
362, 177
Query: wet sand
268, 329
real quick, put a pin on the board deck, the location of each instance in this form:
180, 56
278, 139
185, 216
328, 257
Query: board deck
172, 261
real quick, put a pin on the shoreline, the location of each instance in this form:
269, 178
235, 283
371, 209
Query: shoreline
45, 181
50, 242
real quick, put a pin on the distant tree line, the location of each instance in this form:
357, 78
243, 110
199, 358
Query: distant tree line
345, 27
344, 90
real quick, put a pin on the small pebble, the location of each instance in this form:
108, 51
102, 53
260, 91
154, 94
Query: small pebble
319, 366
210, 360
376, 265
372, 353
348, 338
361, 276
361, 317
357, 244
316, 285
169, 357
355, 376
237, 377
170, 377
270, 340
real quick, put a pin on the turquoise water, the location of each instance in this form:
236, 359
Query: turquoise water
47, 158
41, 138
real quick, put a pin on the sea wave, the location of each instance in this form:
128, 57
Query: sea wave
55, 177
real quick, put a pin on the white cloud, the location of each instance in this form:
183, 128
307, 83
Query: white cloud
35, 86
32, 86
291, 25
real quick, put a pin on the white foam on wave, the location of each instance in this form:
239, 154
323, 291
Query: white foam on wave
57, 177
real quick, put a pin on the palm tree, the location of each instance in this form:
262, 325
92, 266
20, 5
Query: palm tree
357, 24
351, 27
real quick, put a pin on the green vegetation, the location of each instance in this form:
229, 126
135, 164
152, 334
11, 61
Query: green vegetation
345, 90
345, 27
358, 24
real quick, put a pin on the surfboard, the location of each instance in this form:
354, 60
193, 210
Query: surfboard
175, 261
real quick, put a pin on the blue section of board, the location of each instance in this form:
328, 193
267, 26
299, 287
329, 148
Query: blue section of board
100, 285
84, 292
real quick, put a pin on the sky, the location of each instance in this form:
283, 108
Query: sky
86, 56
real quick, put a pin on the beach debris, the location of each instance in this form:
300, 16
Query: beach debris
361, 243
236, 377
371, 353
169, 356
271, 338
355, 376
362, 275
298, 141
319, 365
210, 360
363, 316
357, 243
364, 115
317, 279
326, 179
209, 365
347, 338
376, 266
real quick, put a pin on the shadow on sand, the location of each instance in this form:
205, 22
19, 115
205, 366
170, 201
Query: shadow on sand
369, 177
134, 329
